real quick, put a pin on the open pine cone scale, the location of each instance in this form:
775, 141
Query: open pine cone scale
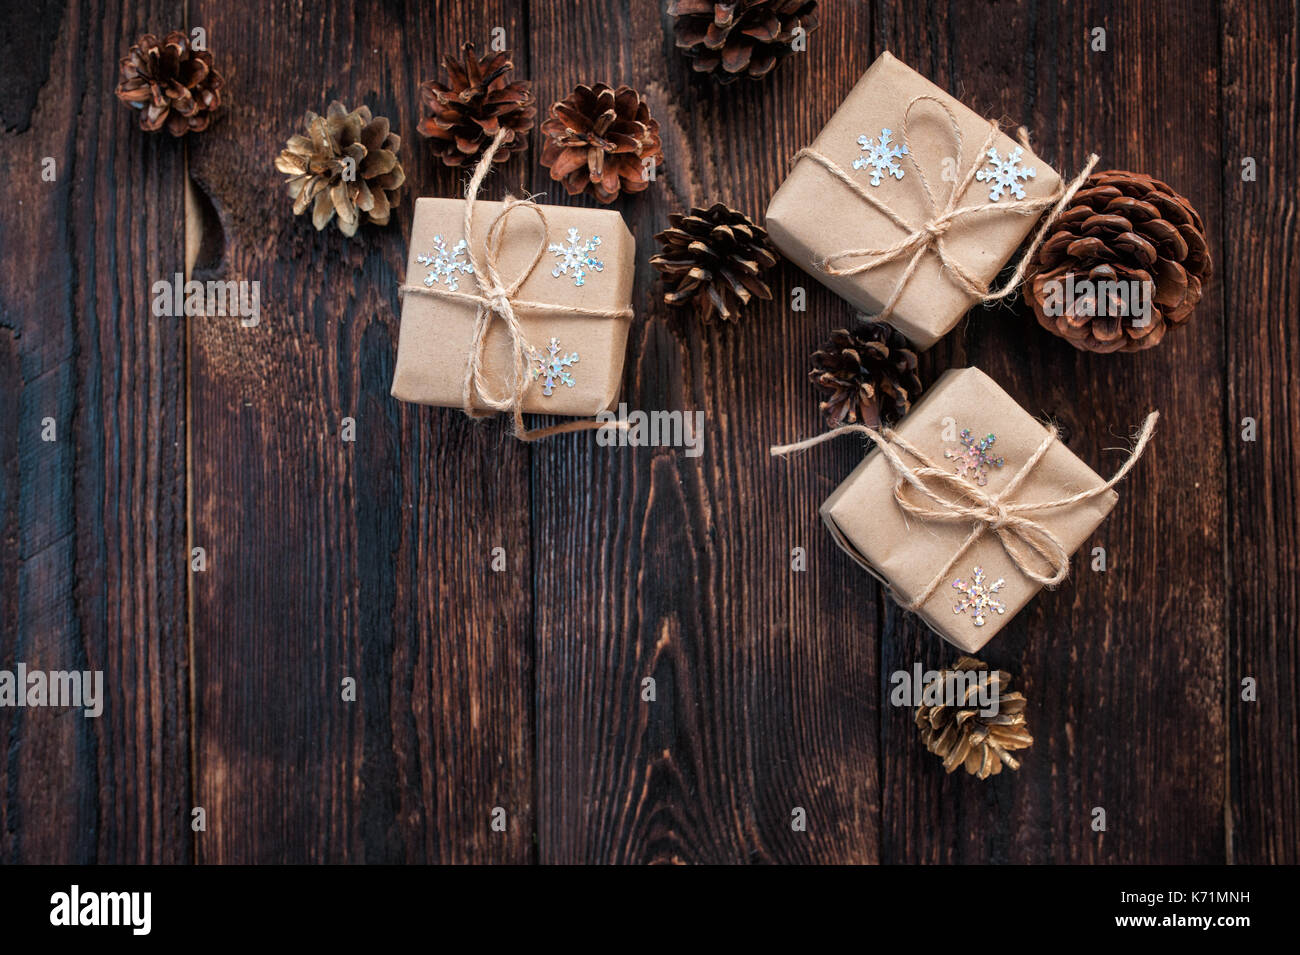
597, 139
462, 115
739, 37
713, 260
869, 374
173, 85
1123, 227
962, 736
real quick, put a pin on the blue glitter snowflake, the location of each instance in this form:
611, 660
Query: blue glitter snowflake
553, 367
881, 156
1006, 174
974, 461
978, 598
578, 257
443, 264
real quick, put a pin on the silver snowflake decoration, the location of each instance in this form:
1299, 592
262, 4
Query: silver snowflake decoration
552, 367
578, 257
974, 461
1006, 174
444, 264
880, 156
977, 597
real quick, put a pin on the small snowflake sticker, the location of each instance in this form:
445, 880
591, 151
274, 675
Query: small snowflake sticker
553, 367
1006, 174
880, 156
974, 461
578, 257
444, 264
977, 597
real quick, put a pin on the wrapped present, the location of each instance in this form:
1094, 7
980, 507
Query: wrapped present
908, 203
514, 307
968, 507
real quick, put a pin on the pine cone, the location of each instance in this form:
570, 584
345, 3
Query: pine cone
1120, 227
740, 36
597, 140
869, 374
962, 736
171, 83
316, 165
713, 259
463, 115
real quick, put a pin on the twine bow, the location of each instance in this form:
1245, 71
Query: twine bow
945, 497
496, 300
929, 236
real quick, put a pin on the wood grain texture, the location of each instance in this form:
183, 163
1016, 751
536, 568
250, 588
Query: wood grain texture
1113, 663
1262, 296
92, 549
331, 560
523, 689
653, 564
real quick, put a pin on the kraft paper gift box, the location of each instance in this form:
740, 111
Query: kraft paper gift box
814, 215
907, 553
437, 331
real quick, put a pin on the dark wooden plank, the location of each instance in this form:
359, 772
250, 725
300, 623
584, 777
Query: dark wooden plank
652, 564
1114, 664
330, 560
1262, 294
92, 532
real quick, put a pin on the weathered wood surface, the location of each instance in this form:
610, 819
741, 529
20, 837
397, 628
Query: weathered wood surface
523, 690
92, 546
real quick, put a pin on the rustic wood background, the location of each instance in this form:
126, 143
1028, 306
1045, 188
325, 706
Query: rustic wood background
520, 690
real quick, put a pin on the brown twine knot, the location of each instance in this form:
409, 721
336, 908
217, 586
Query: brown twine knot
929, 235
931, 493
496, 300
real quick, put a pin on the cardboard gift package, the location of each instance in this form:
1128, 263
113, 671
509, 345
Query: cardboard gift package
814, 215
590, 278
949, 427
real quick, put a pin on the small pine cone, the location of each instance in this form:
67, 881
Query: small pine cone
316, 164
463, 115
598, 139
960, 734
869, 375
739, 37
170, 83
1125, 228
713, 259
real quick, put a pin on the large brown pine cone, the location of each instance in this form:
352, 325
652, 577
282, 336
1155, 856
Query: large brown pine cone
346, 165
868, 373
740, 37
713, 260
463, 115
171, 83
597, 140
961, 735
1120, 227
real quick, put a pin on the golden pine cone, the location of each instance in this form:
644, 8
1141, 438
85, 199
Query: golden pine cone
868, 373
463, 115
346, 165
962, 736
1120, 227
713, 260
597, 140
170, 83
739, 37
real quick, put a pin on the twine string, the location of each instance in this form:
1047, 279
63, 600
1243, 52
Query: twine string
929, 236
946, 497
496, 300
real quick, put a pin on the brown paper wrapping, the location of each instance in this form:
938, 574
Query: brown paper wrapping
436, 333
812, 215
906, 552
